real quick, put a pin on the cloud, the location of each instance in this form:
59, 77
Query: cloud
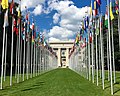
56, 18
37, 10
29, 3
60, 33
53, 39
68, 17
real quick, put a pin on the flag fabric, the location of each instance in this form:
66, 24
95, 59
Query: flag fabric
116, 6
95, 11
0, 6
106, 18
4, 4
98, 2
12, 8
97, 27
111, 13
90, 37
33, 31
6, 19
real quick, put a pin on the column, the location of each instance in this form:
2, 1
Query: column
67, 57
59, 57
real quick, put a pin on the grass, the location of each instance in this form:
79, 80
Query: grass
59, 82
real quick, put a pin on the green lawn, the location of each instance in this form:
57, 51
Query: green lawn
59, 82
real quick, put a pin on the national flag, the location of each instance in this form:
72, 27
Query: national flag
33, 32
0, 6
6, 19
90, 37
4, 4
24, 29
106, 18
12, 8
18, 12
95, 12
111, 13
116, 6
97, 27
98, 2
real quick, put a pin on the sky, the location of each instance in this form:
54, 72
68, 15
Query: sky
58, 19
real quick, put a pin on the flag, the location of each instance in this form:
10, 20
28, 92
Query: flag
106, 18
6, 19
0, 6
12, 8
97, 27
33, 32
4, 4
90, 37
98, 2
111, 13
18, 12
116, 6
95, 12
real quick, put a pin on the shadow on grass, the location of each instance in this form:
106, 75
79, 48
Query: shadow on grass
116, 91
35, 86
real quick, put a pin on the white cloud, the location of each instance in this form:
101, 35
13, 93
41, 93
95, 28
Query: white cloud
37, 10
53, 39
56, 18
68, 19
29, 3
60, 33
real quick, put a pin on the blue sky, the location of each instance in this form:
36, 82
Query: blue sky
58, 19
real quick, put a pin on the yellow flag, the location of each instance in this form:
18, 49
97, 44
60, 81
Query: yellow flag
4, 4
111, 13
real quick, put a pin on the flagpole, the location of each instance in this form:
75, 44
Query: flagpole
31, 57
24, 57
119, 25
113, 52
108, 56
17, 59
12, 51
110, 48
89, 56
19, 65
101, 38
3, 48
97, 55
92, 56
5, 57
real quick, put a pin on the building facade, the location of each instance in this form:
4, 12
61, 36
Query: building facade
62, 48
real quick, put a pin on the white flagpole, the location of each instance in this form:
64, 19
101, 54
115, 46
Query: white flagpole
31, 58
17, 60
101, 38
24, 51
89, 56
19, 64
108, 56
110, 48
3, 48
113, 52
34, 62
119, 25
97, 55
12, 51
5, 57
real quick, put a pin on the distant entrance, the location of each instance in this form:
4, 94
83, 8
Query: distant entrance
62, 49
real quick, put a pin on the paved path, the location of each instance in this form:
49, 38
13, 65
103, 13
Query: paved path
59, 82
